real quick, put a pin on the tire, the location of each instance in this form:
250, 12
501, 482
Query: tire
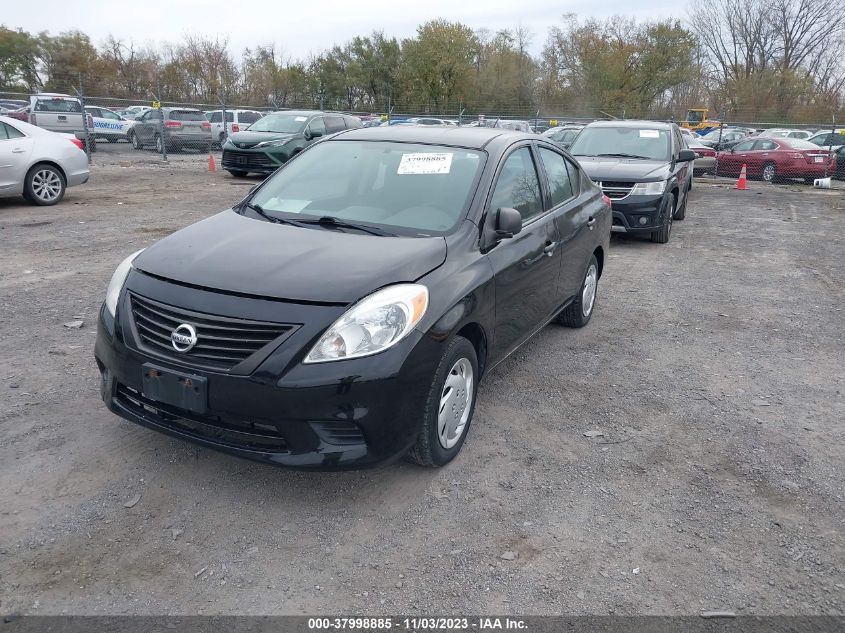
661, 235
237, 173
809, 181
44, 185
433, 449
681, 212
574, 315
769, 172
158, 144
133, 138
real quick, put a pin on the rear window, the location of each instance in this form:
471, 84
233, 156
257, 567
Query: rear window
798, 143
186, 115
57, 105
248, 117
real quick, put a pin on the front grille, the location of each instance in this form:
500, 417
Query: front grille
615, 190
223, 431
246, 160
222, 342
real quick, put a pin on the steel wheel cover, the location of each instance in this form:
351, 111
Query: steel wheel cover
455, 403
588, 295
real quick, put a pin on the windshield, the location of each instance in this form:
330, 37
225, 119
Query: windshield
611, 141
280, 123
424, 189
694, 116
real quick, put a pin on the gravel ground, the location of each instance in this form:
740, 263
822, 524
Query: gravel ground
713, 366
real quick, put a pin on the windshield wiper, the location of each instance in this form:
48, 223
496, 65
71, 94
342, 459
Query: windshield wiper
626, 156
271, 218
330, 220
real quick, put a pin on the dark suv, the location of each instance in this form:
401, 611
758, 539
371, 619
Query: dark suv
644, 167
275, 138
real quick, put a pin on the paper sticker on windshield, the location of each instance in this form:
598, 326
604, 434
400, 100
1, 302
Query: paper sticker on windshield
425, 163
649, 133
300, 118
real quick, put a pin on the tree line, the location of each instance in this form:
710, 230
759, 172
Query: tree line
752, 60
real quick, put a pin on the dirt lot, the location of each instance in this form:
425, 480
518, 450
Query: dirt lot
713, 366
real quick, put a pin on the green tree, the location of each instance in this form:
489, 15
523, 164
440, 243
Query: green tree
19, 54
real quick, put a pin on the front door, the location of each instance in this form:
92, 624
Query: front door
526, 267
15, 149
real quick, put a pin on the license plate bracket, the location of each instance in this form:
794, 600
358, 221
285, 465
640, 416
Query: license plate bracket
182, 390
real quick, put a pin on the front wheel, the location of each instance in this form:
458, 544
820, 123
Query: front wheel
237, 173
578, 313
449, 406
661, 235
133, 138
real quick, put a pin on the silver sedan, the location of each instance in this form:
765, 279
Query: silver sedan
39, 164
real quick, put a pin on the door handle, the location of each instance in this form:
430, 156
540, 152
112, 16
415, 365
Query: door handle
550, 248
18, 150
591, 223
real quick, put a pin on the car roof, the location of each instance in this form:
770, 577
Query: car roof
648, 125
455, 136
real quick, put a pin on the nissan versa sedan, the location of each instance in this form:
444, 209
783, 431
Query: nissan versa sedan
343, 314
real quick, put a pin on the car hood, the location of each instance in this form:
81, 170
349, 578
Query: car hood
248, 139
233, 253
601, 168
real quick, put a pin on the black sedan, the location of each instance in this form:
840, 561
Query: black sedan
342, 315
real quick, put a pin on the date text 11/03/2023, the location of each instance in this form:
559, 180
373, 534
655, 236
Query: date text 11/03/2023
418, 624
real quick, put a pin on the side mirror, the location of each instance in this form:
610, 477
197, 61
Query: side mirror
686, 155
508, 222
312, 134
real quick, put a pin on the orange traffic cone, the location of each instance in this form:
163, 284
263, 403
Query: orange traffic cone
212, 166
740, 183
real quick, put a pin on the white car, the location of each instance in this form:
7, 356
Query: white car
39, 164
109, 125
786, 133
236, 121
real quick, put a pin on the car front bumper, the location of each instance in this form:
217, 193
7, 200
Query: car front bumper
330, 416
638, 214
252, 160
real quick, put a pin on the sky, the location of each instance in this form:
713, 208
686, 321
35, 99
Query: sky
301, 27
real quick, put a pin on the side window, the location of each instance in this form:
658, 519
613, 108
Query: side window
108, 114
317, 125
4, 132
94, 112
744, 147
230, 116
560, 183
216, 117
334, 124
352, 122
517, 186
677, 144
765, 145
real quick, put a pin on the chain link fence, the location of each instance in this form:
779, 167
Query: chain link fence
167, 128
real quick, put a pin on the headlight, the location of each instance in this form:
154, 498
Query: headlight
373, 324
275, 143
116, 283
649, 188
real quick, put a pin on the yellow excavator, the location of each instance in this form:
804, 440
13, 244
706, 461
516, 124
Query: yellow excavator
697, 121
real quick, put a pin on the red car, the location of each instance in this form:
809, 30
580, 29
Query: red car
774, 158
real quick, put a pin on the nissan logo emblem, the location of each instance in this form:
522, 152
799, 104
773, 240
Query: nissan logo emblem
183, 338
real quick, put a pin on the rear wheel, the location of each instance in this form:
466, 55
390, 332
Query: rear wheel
769, 172
44, 185
578, 313
661, 235
449, 407
159, 144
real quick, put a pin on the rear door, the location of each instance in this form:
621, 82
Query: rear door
570, 216
15, 149
527, 266
145, 126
